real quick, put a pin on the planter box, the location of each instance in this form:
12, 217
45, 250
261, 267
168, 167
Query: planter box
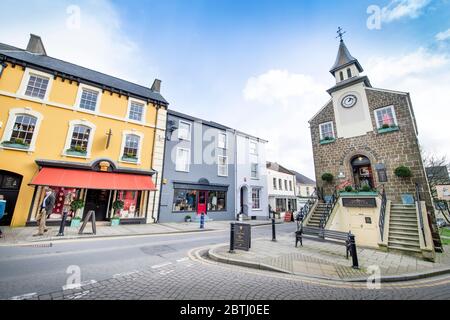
392, 129
76, 153
115, 222
127, 159
16, 146
359, 194
75, 223
327, 141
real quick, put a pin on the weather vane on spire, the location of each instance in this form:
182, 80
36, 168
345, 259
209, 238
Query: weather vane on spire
341, 33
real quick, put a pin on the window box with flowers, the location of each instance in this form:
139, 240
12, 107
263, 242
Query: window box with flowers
16, 144
76, 151
385, 128
130, 158
327, 140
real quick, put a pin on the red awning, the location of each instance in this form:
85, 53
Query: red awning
82, 179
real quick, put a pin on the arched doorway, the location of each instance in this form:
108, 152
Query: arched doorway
9, 191
244, 200
362, 171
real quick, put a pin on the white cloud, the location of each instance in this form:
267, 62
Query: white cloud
444, 35
426, 75
415, 64
399, 9
99, 43
289, 101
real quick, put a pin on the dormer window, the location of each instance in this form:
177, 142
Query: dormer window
349, 73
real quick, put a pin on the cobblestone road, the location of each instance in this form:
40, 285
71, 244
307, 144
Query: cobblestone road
200, 279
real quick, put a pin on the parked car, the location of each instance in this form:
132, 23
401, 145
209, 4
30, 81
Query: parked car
441, 223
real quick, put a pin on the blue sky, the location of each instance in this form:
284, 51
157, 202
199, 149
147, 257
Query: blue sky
260, 66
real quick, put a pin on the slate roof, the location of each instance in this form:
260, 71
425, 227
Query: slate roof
276, 167
344, 59
301, 179
438, 173
70, 69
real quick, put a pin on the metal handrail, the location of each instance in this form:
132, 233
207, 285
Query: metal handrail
329, 209
382, 213
306, 210
419, 206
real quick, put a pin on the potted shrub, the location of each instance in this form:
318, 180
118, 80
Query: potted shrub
349, 189
366, 188
118, 205
188, 218
327, 177
76, 207
403, 172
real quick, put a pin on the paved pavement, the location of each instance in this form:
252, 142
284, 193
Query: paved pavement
326, 260
25, 235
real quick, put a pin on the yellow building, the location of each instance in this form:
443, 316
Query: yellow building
89, 136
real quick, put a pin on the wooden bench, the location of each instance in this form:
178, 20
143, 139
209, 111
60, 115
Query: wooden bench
324, 234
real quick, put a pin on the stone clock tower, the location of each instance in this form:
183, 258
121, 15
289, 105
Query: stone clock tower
362, 134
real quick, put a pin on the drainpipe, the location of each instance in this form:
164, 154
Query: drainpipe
157, 173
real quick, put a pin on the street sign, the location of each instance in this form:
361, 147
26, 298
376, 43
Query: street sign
242, 236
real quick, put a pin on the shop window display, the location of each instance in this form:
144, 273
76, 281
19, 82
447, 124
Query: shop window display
63, 199
217, 201
131, 201
185, 200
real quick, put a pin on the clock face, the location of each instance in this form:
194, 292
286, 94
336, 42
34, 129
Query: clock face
349, 101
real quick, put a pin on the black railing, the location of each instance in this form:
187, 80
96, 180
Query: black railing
419, 206
319, 192
329, 209
306, 210
382, 213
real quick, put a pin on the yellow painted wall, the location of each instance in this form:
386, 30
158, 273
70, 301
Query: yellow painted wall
54, 128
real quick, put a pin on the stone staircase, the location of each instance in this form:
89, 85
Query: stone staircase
316, 216
403, 229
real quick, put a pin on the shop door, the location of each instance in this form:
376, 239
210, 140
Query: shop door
202, 201
97, 200
9, 191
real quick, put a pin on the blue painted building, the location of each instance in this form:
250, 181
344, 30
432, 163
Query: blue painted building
199, 170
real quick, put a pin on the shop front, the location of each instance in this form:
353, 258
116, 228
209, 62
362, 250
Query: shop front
99, 187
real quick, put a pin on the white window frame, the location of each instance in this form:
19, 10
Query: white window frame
188, 165
144, 110
13, 113
257, 170
259, 198
332, 129
81, 87
26, 78
223, 134
72, 125
256, 148
122, 147
222, 165
179, 131
380, 109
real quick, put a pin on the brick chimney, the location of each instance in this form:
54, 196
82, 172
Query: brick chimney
36, 46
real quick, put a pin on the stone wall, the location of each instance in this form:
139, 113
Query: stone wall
392, 149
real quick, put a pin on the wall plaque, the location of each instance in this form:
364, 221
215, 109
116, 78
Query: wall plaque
242, 236
359, 202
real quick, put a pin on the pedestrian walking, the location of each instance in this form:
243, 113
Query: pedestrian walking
46, 209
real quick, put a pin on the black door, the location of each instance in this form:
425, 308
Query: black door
97, 200
9, 189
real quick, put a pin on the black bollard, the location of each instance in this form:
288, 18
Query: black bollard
274, 236
232, 238
63, 225
353, 252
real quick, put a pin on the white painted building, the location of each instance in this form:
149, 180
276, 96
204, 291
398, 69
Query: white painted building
282, 189
305, 188
251, 177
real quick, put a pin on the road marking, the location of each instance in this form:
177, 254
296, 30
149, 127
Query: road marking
183, 260
166, 272
124, 274
158, 266
24, 296
78, 285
